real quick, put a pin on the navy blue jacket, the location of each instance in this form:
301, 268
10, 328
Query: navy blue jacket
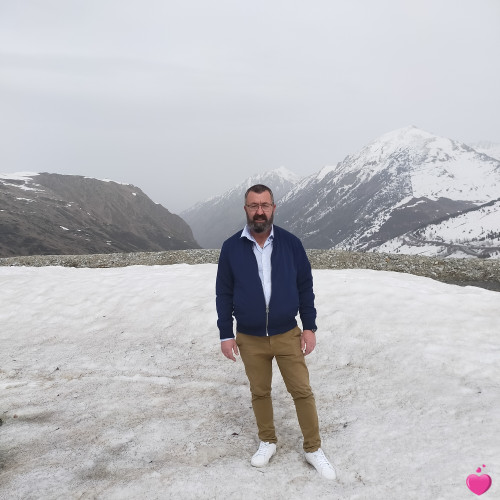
239, 291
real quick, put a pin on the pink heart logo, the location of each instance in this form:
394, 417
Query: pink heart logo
479, 484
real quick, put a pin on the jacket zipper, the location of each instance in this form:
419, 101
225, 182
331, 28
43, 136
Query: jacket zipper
267, 310
267, 320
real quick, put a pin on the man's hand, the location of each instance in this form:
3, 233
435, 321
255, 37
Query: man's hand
228, 347
307, 342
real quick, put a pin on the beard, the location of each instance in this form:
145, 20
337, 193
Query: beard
260, 223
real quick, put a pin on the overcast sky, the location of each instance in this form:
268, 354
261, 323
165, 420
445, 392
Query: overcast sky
186, 98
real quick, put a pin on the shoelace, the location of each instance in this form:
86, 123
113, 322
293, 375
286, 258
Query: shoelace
322, 460
262, 448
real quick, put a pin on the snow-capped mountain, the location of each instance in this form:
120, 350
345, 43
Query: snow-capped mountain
474, 233
57, 214
401, 182
488, 148
217, 218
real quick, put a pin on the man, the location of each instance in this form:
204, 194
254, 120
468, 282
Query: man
263, 279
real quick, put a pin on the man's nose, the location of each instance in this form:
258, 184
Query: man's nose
260, 208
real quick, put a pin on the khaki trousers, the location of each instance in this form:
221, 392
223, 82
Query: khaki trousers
257, 354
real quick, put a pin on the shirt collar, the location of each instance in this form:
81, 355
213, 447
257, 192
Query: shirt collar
247, 234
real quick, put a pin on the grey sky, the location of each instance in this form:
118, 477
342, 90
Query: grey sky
186, 98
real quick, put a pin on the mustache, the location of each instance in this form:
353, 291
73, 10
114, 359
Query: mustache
259, 217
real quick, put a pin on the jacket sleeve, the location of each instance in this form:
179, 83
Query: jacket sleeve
307, 310
224, 286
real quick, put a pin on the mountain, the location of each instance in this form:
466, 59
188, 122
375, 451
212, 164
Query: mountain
474, 233
43, 214
398, 184
488, 148
219, 217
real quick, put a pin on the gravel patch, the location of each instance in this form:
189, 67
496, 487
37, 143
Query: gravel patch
477, 272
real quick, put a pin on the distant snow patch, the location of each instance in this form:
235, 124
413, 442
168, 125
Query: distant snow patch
109, 180
286, 174
324, 172
19, 176
415, 204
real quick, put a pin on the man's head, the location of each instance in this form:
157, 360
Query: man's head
259, 207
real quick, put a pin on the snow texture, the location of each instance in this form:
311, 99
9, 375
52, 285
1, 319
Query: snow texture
489, 148
467, 234
439, 167
18, 176
112, 385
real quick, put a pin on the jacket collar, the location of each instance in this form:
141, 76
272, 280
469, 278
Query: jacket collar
247, 234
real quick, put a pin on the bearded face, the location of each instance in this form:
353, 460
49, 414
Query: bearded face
259, 208
260, 222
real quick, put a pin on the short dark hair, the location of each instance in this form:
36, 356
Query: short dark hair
259, 188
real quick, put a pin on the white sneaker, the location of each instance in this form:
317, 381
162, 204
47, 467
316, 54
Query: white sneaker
263, 454
318, 460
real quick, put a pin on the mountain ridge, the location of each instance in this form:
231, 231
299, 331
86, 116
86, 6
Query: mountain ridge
396, 185
69, 214
403, 180
408, 191
219, 217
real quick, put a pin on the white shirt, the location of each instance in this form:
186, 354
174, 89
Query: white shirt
263, 257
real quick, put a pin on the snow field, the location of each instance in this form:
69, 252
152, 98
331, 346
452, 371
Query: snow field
112, 386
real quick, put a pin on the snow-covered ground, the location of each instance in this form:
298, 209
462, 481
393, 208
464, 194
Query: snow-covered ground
112, 386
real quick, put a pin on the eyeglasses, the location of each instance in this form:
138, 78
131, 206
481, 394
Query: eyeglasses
267, 207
